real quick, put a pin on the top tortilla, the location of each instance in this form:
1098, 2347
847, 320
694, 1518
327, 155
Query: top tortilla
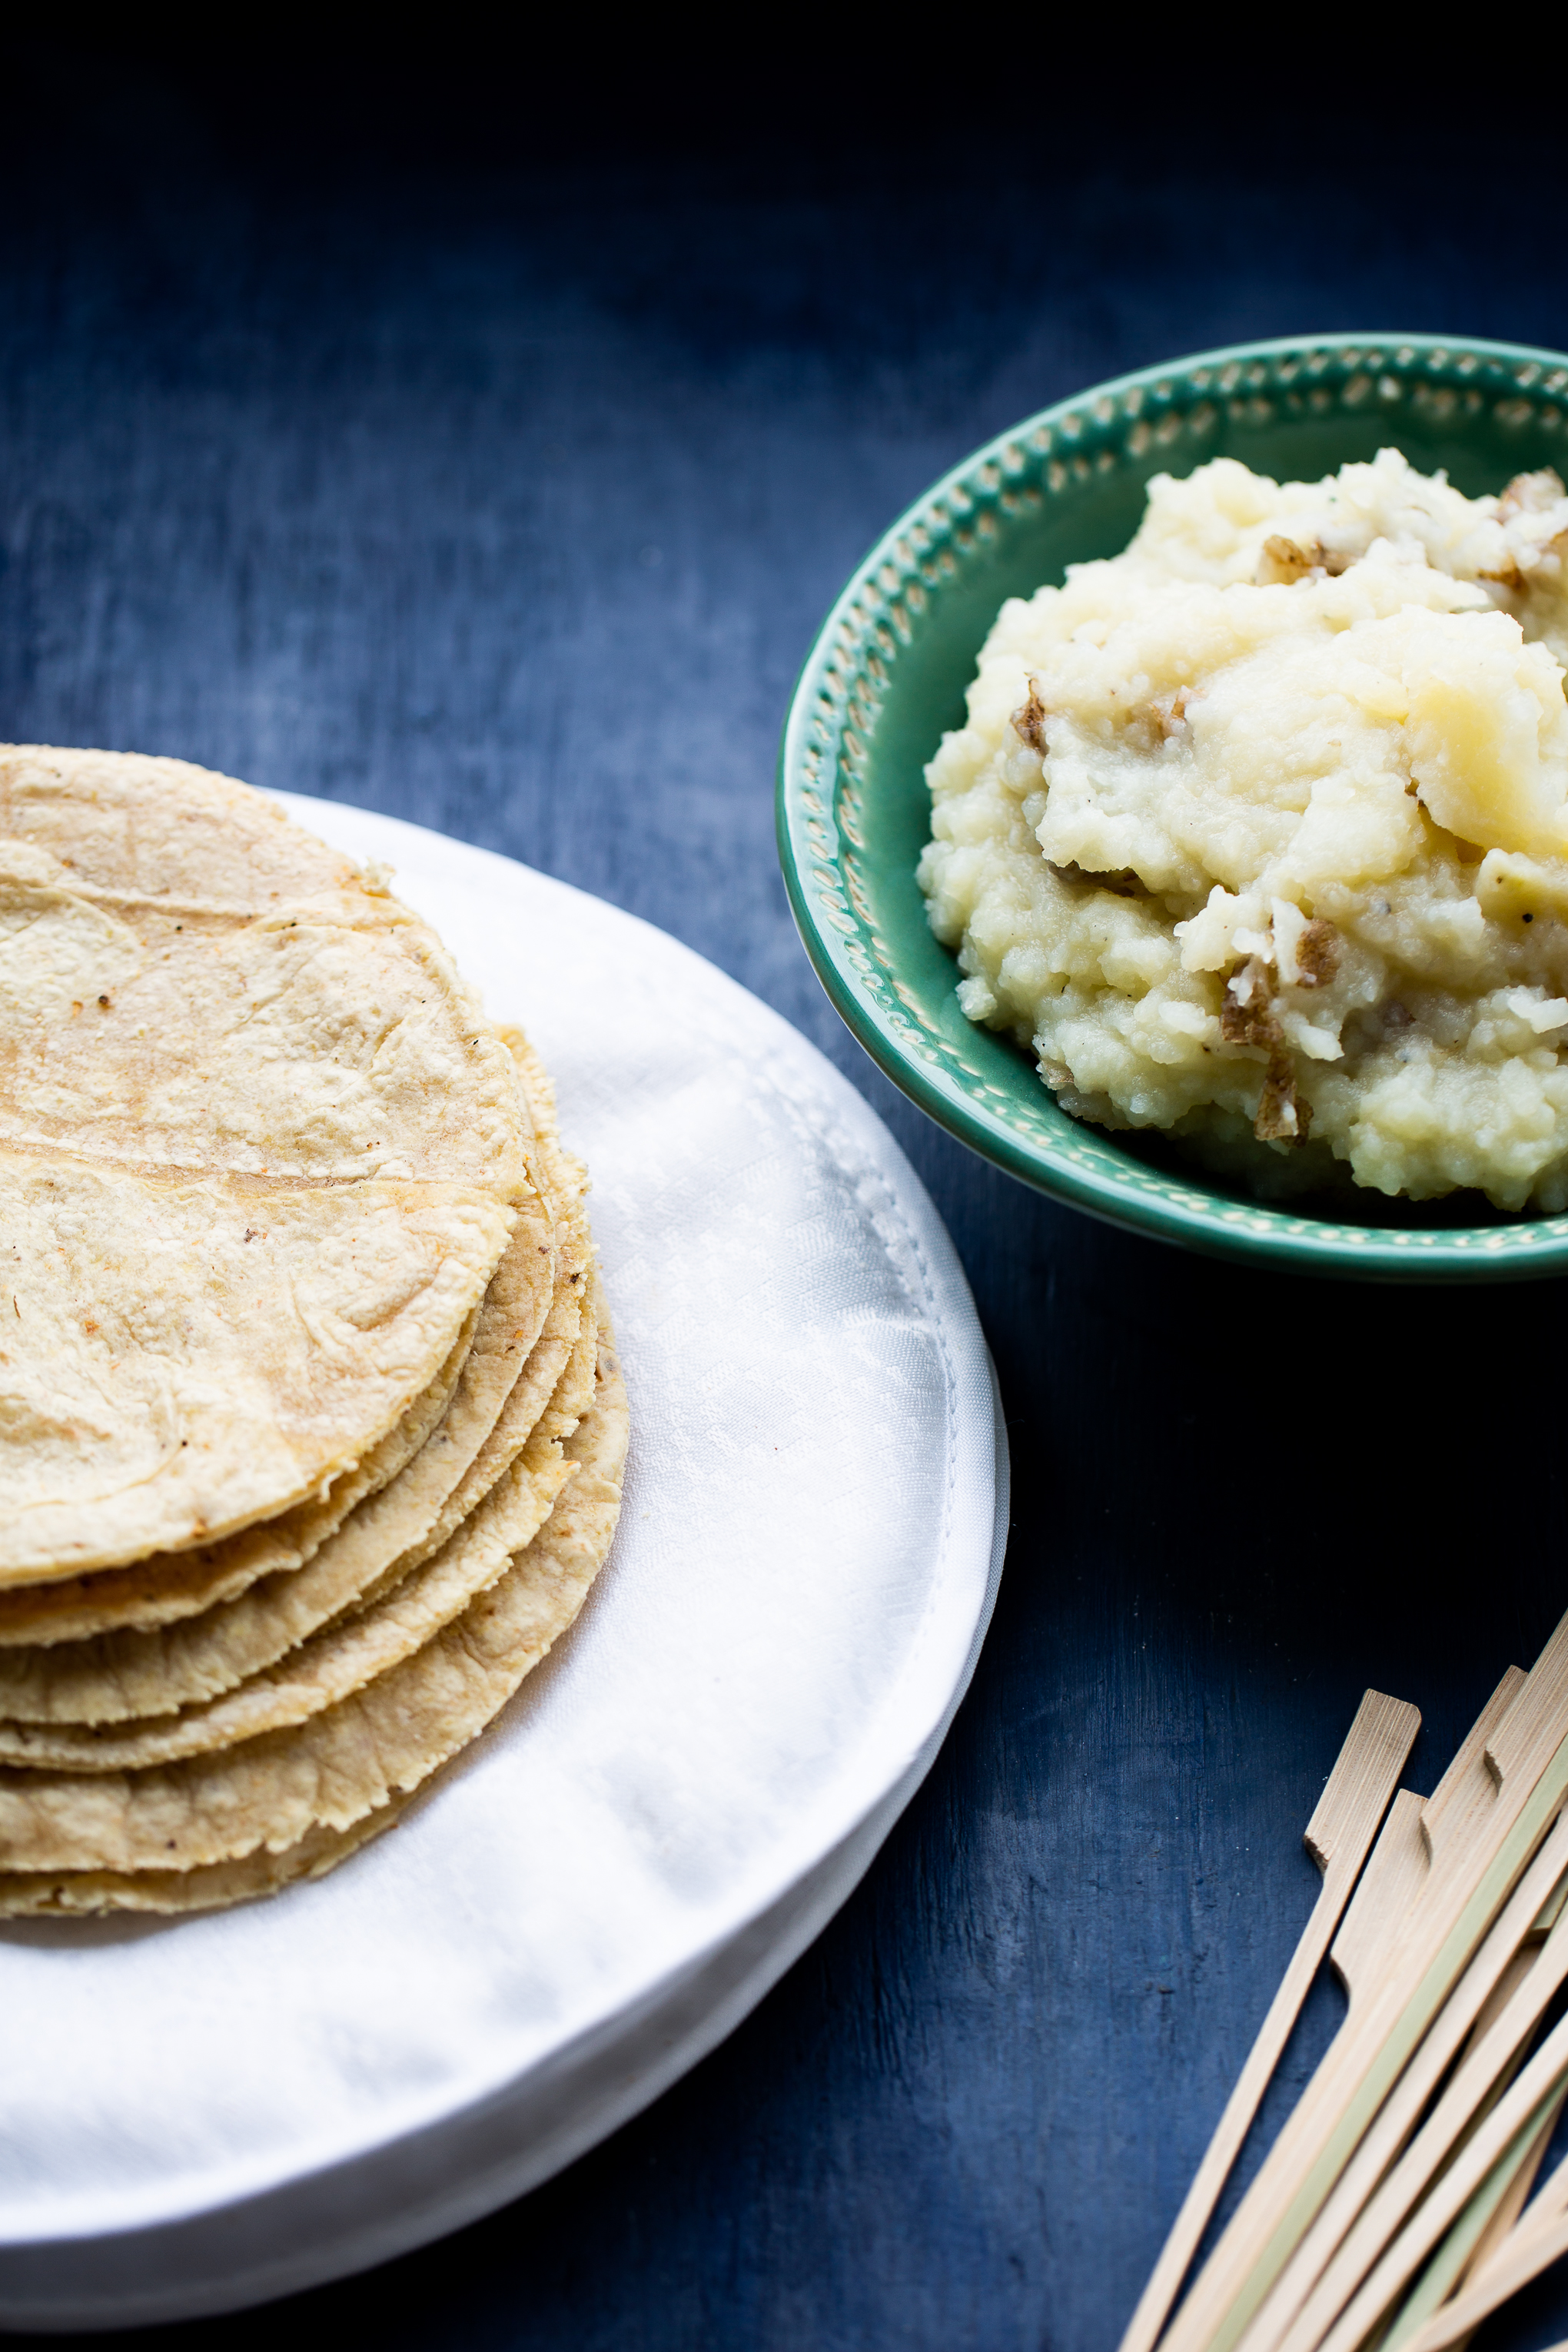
189, 981
121, 822
259, 1154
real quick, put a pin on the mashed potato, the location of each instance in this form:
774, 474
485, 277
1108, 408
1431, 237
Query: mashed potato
1259, 832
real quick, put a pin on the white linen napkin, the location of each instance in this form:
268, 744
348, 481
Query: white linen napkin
675, 1800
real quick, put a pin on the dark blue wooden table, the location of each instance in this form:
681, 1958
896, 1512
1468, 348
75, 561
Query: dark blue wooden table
355, 442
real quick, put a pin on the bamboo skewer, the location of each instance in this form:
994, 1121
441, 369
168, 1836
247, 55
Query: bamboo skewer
1343, 1826
1500, 2043
1516, 1969
1394, 2212
1526, 2254
1399, 2036
1402, 2111
1497, 2204
1206, 2305
1395, 1875
1456, 2252
1512, 2204
1484, 1835
1479, 2232
1526, 2102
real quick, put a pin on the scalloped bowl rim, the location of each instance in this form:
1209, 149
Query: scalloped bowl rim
1149, 1201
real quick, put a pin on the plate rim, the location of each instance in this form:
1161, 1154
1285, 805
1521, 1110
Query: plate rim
134, 2247
226, 2287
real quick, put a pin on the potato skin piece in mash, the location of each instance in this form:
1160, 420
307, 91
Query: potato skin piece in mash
1258, 833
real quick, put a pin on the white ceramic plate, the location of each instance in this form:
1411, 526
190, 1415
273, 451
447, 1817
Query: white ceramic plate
201, 2114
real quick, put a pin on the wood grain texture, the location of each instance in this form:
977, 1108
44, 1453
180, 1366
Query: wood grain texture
508, 499
1338, 1837
1500, 2042
1456, 2030
1389, 1884
1482, 1846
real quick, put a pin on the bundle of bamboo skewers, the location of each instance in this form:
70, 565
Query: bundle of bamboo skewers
1394, 2209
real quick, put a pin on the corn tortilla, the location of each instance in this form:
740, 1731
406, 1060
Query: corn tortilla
341, 1768
248, 1111
188, 978
121, 822
184, 1357
130, 1673
558, 1382
532, 1407
88, 1893
332, 1663
163, 1590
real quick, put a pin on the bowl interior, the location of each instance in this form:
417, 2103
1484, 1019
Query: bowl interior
886, 677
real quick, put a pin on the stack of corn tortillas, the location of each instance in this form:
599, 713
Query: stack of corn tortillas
311, 1432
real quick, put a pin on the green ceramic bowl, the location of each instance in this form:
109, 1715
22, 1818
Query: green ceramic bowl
887, 676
